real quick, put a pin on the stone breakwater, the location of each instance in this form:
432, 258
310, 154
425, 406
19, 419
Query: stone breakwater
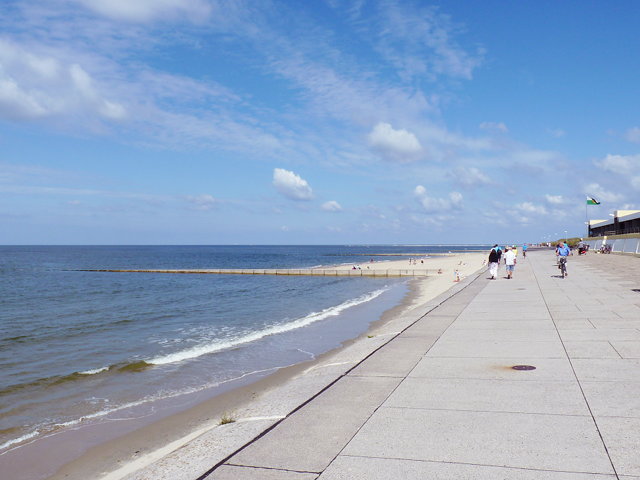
303, 271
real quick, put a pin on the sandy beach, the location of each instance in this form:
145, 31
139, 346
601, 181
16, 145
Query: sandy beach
187, 443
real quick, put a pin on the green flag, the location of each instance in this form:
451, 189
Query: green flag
592, 201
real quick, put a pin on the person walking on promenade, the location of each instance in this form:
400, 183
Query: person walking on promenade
510, 262
494, 260
524, 250
499, 251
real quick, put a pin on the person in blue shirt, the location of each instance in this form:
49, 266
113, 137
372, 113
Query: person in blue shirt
563, 251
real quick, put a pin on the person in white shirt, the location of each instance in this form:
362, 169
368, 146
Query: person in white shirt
510, 261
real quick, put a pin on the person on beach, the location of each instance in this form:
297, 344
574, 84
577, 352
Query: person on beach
510, 262
494, 260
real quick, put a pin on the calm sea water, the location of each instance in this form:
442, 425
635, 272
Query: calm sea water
76, 346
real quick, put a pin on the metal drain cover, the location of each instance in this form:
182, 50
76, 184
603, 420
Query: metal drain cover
523, 367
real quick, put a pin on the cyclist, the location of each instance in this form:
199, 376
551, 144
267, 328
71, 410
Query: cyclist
524, 250
562, 252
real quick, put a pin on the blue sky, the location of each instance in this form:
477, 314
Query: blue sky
287, 122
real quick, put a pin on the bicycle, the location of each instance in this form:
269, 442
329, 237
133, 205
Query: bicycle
562, 265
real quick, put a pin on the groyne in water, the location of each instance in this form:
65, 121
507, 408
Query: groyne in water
409, 272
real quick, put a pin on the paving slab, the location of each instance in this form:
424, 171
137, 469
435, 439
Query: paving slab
545, 442
502, 314
491, 349
627, 348
397, 358
601, 334
433, 324
613, 399
632, 312
607, 370
494, 368
233, 472
565, 308
591, 349
315, 434
575, 316
621, 438
504, 325
574, 325
500, 335
348, 467
450, 309
613, 324
560, 398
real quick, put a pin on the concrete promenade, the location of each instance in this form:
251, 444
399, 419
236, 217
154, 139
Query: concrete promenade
442, 401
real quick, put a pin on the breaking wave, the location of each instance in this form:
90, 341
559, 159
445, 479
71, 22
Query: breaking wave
220, 345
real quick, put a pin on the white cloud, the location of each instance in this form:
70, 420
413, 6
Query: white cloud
470, 176
625, 165
455, 198
438, 205
621, 164
291, 185
432, 221
633, 135
15, 103
83, 91
37, 85
554, 199
546, 159
417, 42
202, 202
150, 10
331, 206
497, 127
556, 132
596, 190
397, 145
529, 207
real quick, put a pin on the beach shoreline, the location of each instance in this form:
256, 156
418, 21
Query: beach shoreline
254, 404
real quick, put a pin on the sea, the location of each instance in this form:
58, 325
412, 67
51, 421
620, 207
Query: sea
78, 346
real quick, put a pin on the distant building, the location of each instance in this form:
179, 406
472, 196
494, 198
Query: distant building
623, 221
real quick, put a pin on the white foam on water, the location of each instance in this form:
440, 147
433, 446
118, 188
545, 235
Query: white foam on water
94, 371
220, 345
21, 439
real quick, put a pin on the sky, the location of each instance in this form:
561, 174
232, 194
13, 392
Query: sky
318, 122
